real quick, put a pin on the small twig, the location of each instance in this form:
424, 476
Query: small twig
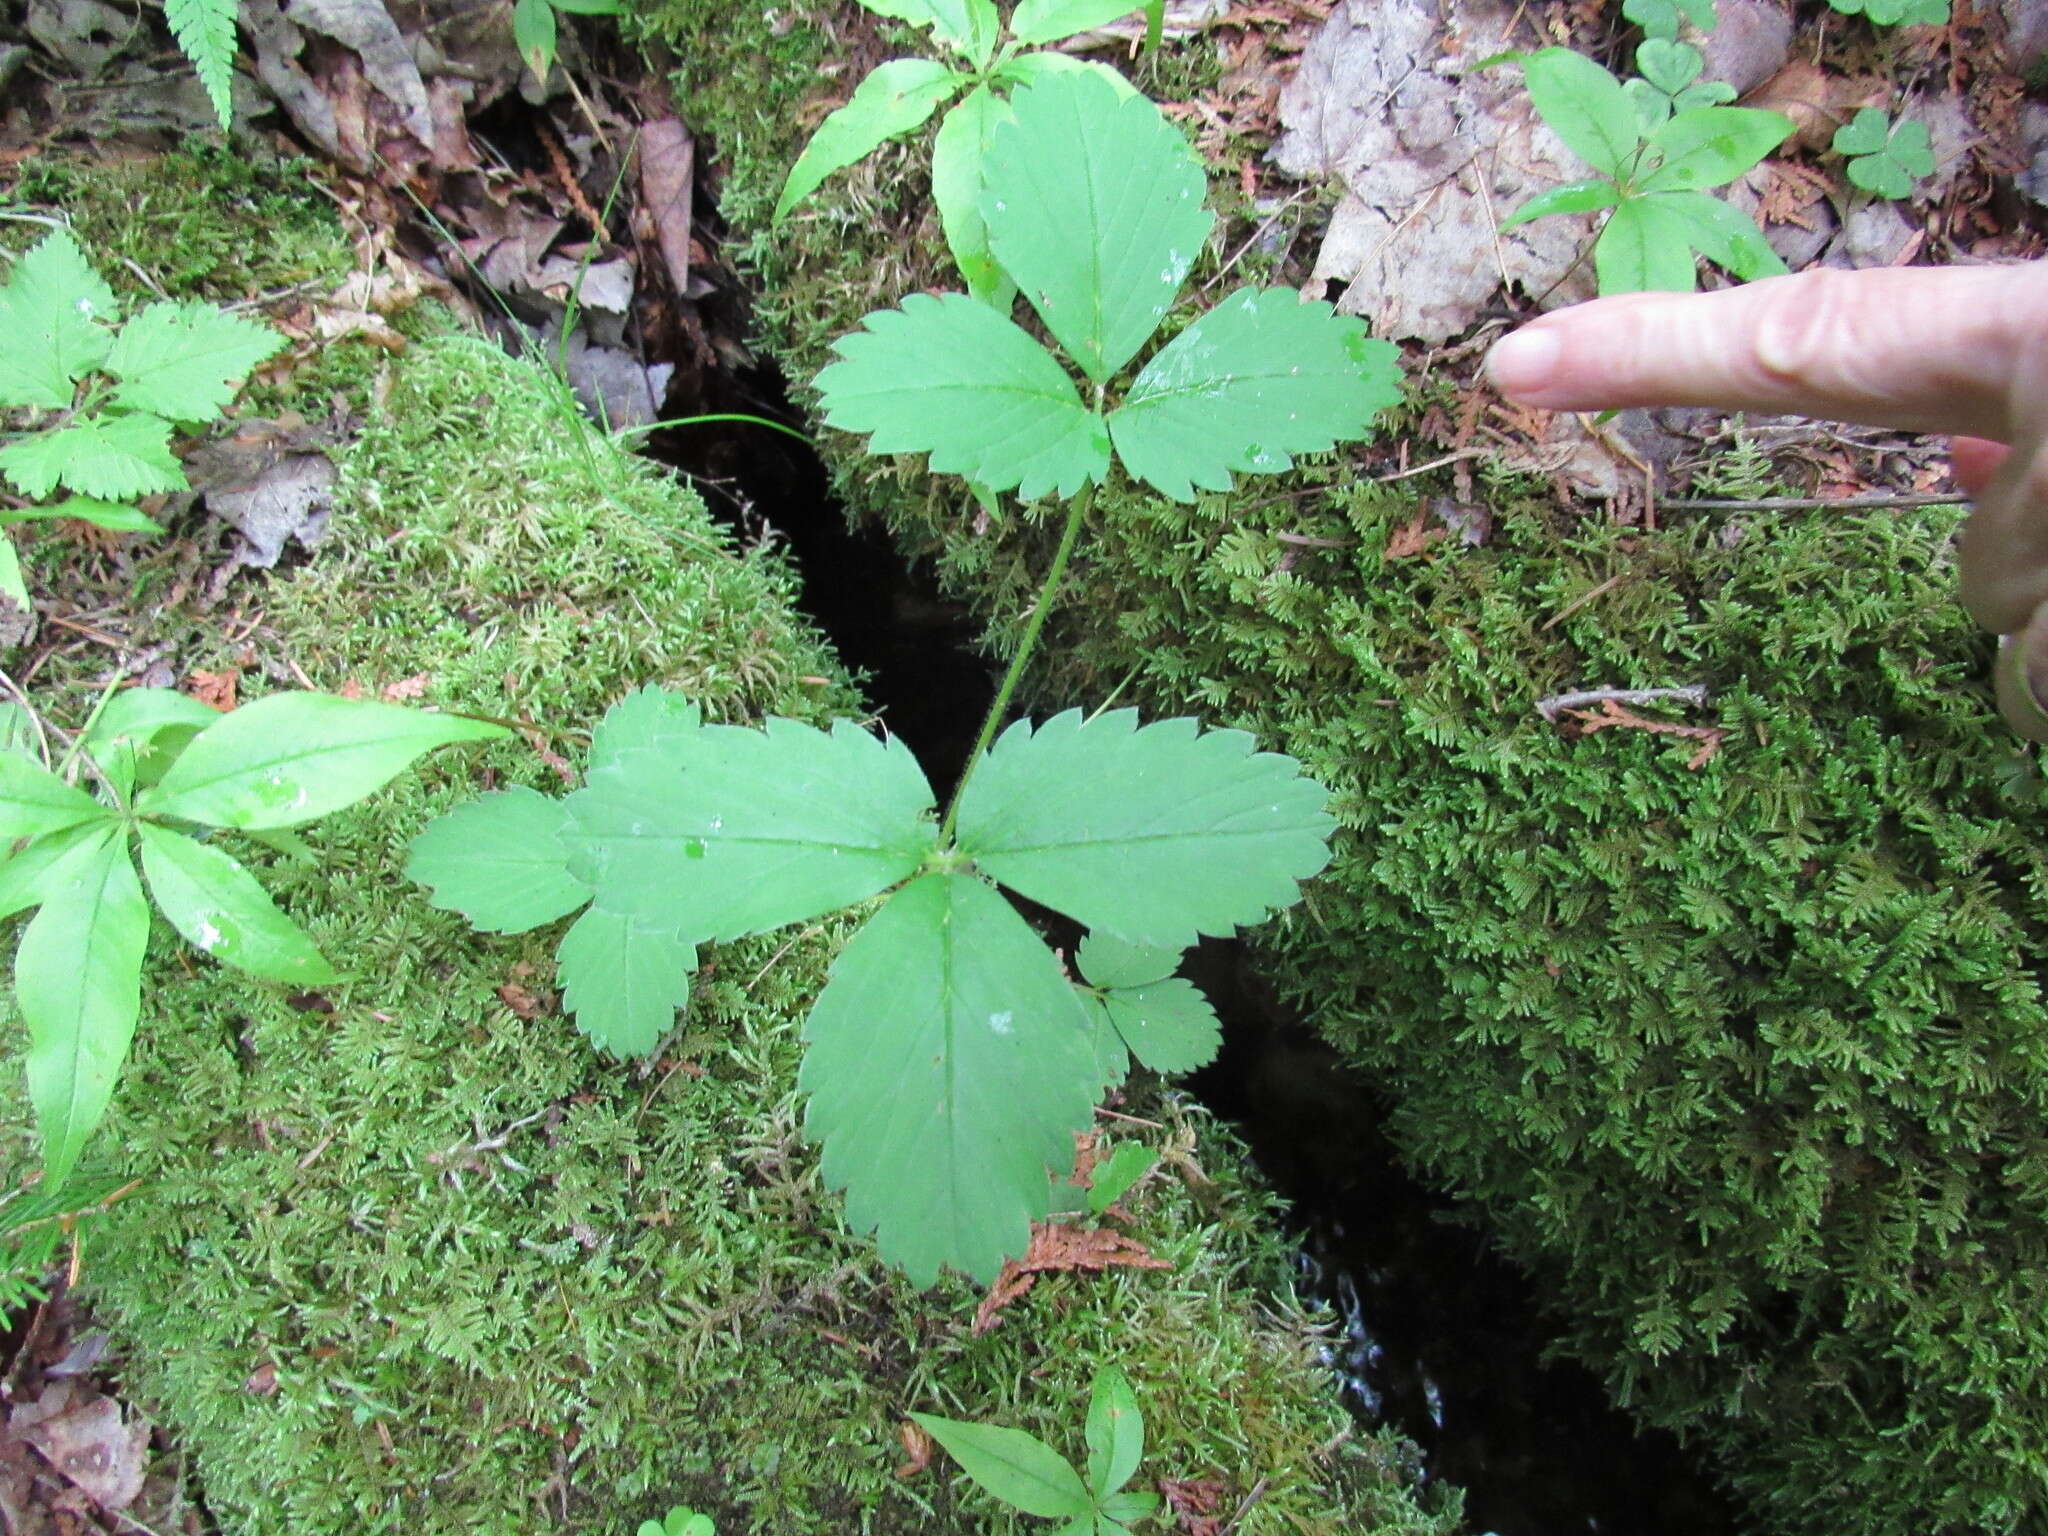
1258, 1492
1310, 541
1582, 599
1423, 469
1814, 503
1693, 693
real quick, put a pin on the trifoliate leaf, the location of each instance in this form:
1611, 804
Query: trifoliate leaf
1646, 246
647, 717
895, 98
729, 830
183, 361
1094, 206
1156, 834
78, 984
623, 978
959, 156
1047, 21
1108, 961
111, 457
222, 911
54, 315
1887, 158
34, 801
1016, 1467
952, 378
1258, 379
205, 29
293, 757
500, 861
948, 1071
1116, 1431
1586, 107
1668, 66
1168, 1025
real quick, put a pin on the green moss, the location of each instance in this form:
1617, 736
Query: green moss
405, 1259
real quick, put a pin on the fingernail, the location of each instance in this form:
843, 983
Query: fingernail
1522, 363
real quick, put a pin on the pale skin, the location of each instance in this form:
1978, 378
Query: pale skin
1960, 351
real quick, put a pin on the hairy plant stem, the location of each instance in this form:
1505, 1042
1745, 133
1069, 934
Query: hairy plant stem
1076, 510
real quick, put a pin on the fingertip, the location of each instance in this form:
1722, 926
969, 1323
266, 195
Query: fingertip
1975, 461
1523, 363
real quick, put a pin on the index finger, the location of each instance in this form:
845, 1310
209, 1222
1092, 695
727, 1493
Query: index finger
1928, 349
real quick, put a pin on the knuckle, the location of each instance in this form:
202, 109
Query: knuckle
1808, 331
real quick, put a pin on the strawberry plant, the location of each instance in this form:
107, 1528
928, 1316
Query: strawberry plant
901, 95
1025, 1472
1652, 175
950, 1057
103, 397
172, 775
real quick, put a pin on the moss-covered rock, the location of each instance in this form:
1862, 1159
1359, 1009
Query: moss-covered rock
1742, 1049
407, 1255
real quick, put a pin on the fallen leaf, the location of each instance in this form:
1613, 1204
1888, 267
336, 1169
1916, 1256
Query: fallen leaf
407, 687
917, 1448
522, 1002
216, 688
1196, 1504
86, 1437
262, 1381
1411, 538
668, 162
1058, 1248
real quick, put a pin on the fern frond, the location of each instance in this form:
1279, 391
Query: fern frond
205, 29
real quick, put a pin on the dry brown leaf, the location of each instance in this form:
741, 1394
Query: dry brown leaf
1058, 1248
1411, 538
668, 161
219, 689
262, 1381
407, 687
917, 1448
1613, 714
524, 1003
1196, 1504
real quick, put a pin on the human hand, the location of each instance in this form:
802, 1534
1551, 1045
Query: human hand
1955, 350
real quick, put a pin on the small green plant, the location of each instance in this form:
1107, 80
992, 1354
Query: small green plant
205, 30
105, 398
678, 1522
1025, 1472
899, 96
35, 1220
1653, 177
172, 774
1662, 19
1118, 1173
1885, 158
1668, 80
1896, 13
950, 1059
534, 28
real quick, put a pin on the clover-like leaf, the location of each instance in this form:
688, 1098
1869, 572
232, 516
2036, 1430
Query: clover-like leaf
1669, 66
1659, 18
78, 984
948, 1070
1261, 377
110, 457
1154, 833
623, 978
1047, 21
1094, 206
293, 757
959, 156
728, 830
54, 313
1887, 158
895, 98
1116, 1432
500, 861
181, 361
222, 911
952, 378
1586, 107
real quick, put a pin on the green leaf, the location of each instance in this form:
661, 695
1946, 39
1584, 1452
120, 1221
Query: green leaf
1168, 1025
1261, 377
110, 457
1020, 1469
590, 7
1116, 1432
533, 34
1652, 105
1659, 18
731, 830
1586, 107
1644, 246
222, 911
139, 734
11, 582
1129, 1507
1724, 234
1155, 833
895, 98
1704, 93
293, 757
958, 154
952, 378
24, 876
1105, 1046
1047, 21
647, 717
1030, 68
500, 861
90, 509
1888, 159
1711, 146
34, 801
1108, 961
1866, 133
1669, 66
1586, 196
52, 316
948, 1070
1112, 1180
78, 984
205, 30
969, 27
1094, 206
183, 361
623, 978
